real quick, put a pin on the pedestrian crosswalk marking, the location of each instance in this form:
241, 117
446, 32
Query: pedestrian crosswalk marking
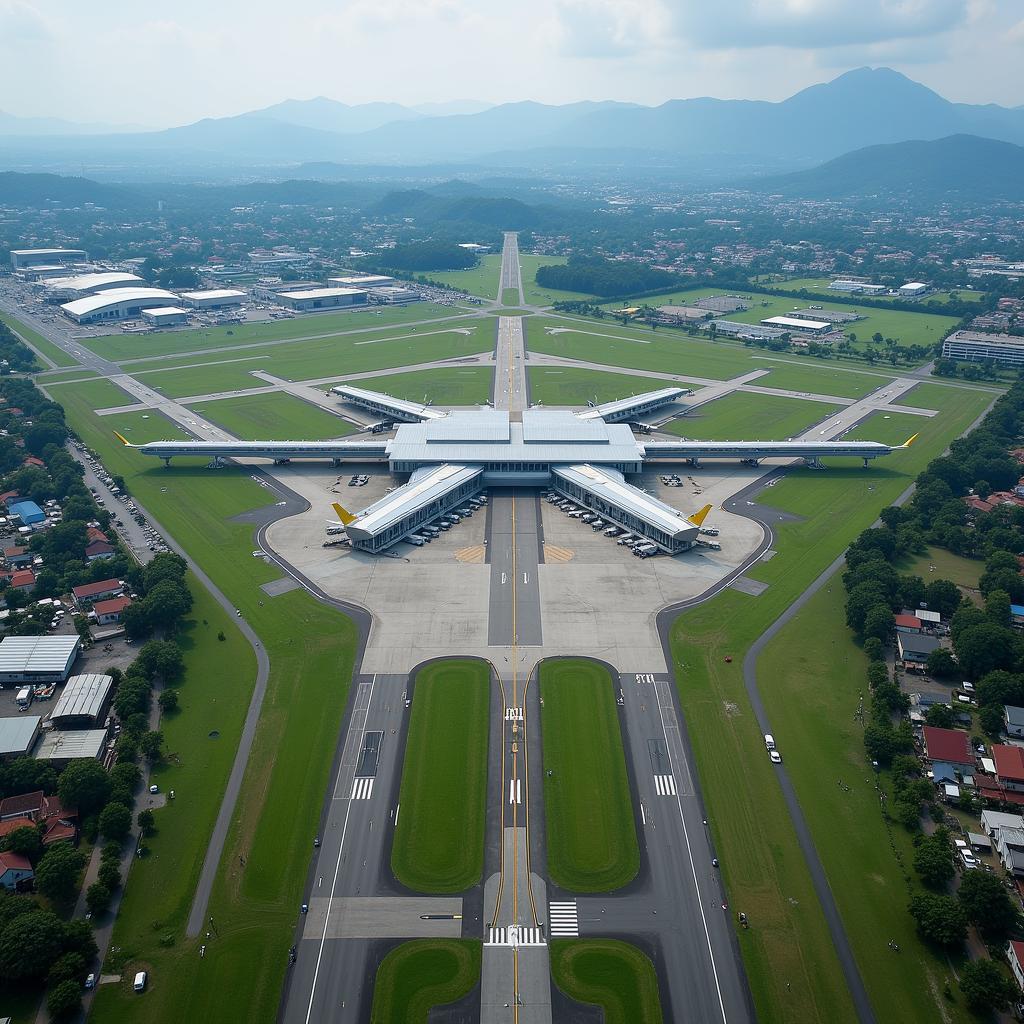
513, 714
564, 919
361, 789
665, 785
516, 936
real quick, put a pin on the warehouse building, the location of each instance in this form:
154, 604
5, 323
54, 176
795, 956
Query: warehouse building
791, 323
736, 329
213, 298
27, 511
913, 289
61, 748
833, 316
855, 287
682, 314
83, 702
117, 304
37, 659
976, 347
394, 295
323, 298
18, 736
361, 281
22, 258
165, 316
65, 289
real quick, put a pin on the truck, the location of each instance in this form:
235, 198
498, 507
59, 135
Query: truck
24, 698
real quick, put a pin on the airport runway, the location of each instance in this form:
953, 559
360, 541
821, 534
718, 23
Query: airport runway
510, 384
513, 553
511, 276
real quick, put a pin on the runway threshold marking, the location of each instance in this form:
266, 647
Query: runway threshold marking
564, 919
665, 785
362, 789
515, 936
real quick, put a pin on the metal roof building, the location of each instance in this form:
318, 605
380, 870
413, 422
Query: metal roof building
793, 323
637, 405
322, 298
80, 285
395, 408
37, 659
83, 702
18, 735
117, 304
60, 748
213, 298
30, 257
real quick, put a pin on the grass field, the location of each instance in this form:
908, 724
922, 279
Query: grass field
750, 417
812, 676
133, 346
482, 280
274, 416
940, 564
255, 906
439, 841
418, 975
932, 396
99, 393
56, 355
445, 385
793, 972
307, 360
591, 834
59, 376
616, 976
533, 293
571, 385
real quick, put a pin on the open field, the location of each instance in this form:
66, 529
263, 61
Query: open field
446, 385
99, 393
676, 353
274, 416
533, 293
591, 834
750, 417
481, 280
787, 951
616, 976
571, 385
418, 975
312, 359
255, 906
812, 676
57, 355
819, 286
940, 564
304, 325
932, 395
59, 376
439, 840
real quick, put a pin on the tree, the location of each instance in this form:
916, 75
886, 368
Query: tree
27, 841
97, 897
941, 663
67, 967
29, 944
940, 919
990, 718
161, 658
986, 903
942, 596
151, 745
984, 647
83, 785
873, 649
115, 821
168, 701
933, 860
110, 874
879, 622
146, 822
57, 872
941, 716
64, 1000
985, 986
997, 607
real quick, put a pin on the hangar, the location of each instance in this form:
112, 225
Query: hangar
117, 304
213, 298
451, 454
64, 289
322, 298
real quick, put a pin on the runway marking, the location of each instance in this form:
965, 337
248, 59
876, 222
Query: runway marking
513, 714
361, 789
564, 919
515, 936
645, 677
665, 785
515, 791
553, 553
473, 554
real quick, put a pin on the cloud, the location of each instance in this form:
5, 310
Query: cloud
608, 28
800, 24
21, 22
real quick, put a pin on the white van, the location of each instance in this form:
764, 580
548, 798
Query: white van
24, 698
139, 985
769, 741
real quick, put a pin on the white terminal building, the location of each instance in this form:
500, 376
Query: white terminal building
117, 304
213, 298
78, 286
448, 455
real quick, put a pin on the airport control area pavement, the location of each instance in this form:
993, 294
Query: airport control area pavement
517, 583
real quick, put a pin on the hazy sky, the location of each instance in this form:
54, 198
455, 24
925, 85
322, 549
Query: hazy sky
163, 64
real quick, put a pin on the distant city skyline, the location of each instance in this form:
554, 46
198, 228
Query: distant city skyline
128, 64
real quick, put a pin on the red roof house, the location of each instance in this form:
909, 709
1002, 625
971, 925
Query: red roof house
972, 501
16, 872
98, 549
911, 622
110, 611
97, 590
31, 460
950, 745
23, 579
92, 534
1009, 765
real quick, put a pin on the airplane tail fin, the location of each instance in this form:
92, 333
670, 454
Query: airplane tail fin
910, 441
698, 517
344, 515
122, 439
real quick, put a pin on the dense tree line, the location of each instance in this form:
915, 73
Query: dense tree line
14, 354
432, 255
594, 275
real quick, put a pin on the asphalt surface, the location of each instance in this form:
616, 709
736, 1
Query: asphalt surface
513, 553
511, 276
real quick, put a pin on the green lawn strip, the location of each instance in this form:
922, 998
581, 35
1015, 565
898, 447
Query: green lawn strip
444, 385
63, 376
322, 358
812, 677
56, 355
573, 385
817, 376
482, 280
764, 870
439, 841
591, 835
893, 427
98, 394
135, 346
615, 975
419, 975
274, 416
933, 396
509, 296
311, 650
752, 417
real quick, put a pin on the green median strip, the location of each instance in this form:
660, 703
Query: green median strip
419, 975
616, 976
439, 840
591, 834
56, 355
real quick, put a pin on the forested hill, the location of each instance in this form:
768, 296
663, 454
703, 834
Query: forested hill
593, 275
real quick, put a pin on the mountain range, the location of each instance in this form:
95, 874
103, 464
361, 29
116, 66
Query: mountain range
865, 107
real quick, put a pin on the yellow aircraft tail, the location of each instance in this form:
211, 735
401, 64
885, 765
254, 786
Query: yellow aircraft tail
122, 439
698, 517
910, 441
344, 515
